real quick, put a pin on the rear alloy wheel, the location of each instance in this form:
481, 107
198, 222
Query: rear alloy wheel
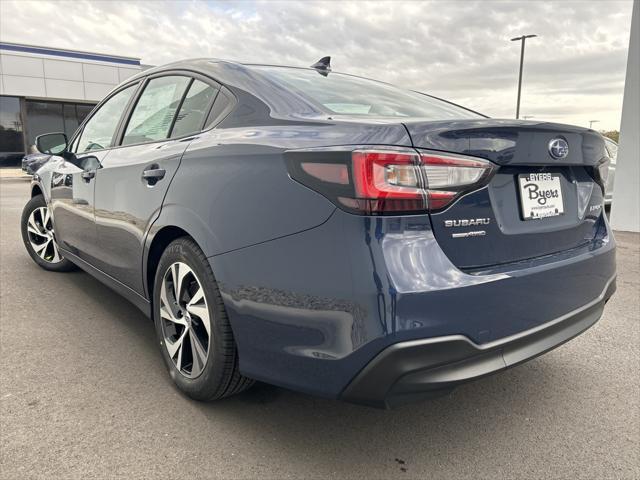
192, 326
38, 235
184, 315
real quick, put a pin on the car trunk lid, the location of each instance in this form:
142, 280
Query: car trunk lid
492, 225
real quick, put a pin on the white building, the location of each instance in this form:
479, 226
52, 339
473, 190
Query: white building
625, 210
46, 89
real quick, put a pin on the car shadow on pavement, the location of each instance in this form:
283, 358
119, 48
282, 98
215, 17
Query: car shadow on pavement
117, 309
309, 429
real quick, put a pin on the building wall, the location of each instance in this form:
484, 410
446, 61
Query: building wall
45, 89
625, 209
40, 72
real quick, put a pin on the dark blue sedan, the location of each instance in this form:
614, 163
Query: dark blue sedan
326, 232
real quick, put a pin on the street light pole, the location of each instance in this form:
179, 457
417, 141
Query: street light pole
523, 38
591, 122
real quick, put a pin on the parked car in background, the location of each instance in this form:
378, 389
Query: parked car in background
32, 162
326, 232
612, 149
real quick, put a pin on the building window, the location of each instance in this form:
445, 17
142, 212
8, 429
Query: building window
49, 117
11, 134
43, 117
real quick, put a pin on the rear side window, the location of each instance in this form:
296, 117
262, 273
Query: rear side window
225, 101
194, 109
354, 96
99, 130
153, 114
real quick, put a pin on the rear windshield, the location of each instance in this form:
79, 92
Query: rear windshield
349, 95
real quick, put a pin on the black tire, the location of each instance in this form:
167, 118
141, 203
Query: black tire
220, 376
54, 264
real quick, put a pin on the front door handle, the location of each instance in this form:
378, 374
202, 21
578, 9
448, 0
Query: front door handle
88, 175
153, 174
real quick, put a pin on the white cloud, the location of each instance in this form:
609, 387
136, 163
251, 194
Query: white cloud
459, 50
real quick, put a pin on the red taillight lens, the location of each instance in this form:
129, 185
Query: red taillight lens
384, 181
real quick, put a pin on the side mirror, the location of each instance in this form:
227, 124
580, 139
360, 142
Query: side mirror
51, 143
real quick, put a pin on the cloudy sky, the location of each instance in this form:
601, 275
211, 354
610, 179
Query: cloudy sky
459, 50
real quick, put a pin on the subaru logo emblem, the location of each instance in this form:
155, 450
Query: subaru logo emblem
558, 148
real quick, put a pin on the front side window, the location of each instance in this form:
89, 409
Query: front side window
99, 130
354, 96
153, 114
194, 109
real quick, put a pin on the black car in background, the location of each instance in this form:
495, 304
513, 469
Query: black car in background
32, 162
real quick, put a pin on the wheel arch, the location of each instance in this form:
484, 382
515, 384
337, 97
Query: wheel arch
174, 222
161, 240
36, 190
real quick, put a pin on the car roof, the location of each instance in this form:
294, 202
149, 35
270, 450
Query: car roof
207, 65
243, 78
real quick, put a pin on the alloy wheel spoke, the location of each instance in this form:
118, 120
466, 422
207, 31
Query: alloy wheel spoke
179, 271
33, 226
173, 348
179, 357
198, 353
198, 306
31, 229
41, 249
166, 309
202, 312
163, 293
47, 217
197, 297
56, 254
167, 314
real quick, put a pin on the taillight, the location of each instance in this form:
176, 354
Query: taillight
385, 182
388, 181
448, 176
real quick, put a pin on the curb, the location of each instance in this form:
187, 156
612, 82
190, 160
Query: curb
15, 179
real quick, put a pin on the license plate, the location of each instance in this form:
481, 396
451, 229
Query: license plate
540, 195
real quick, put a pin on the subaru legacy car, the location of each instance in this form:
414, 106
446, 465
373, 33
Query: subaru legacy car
325, 232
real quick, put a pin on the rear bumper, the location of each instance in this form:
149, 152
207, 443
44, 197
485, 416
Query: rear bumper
409, 371
314, 310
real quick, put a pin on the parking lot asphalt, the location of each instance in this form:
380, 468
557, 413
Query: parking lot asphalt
84, 394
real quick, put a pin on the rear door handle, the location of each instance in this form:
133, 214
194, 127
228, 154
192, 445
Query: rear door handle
153, 174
